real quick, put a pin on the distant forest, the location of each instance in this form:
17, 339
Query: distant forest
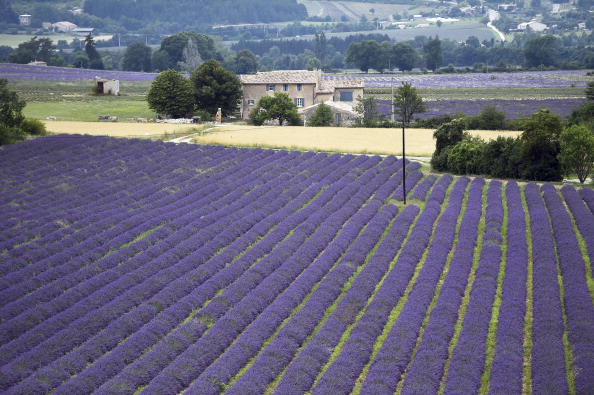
181, 14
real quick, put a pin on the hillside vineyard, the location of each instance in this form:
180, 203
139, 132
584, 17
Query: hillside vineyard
136, 266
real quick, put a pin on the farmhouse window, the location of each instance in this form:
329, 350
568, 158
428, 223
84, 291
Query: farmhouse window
346, 96
251, 102
299, 87
270, 88
299, 102
285, 87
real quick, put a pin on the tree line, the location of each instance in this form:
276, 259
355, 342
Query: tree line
377, 52
184, 51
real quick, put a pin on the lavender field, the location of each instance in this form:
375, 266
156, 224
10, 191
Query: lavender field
498, 80
132, 266
532, 79
513, 108
33, 73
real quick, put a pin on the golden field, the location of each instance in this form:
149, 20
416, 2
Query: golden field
115, 129
419, 142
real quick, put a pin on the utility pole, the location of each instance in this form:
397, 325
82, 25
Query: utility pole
392, 110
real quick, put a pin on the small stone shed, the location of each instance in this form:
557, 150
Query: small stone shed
109, 87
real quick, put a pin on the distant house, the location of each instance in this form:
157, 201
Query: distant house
306, 88
25, 20
507, 7
37, 63
83, 31
64, 26
533, 26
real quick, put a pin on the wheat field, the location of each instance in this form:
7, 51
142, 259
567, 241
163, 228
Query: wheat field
419, 142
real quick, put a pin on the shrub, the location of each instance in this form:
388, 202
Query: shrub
437, 121
34, 127
449, 134
439, 161
11, 135
488, 119
464, 157
502, 158
582, 114
323, 116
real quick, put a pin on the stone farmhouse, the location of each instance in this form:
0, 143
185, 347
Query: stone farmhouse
306, 88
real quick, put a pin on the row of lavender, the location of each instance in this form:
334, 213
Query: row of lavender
132, 265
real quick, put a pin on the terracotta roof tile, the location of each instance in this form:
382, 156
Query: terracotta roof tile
300, 77
281, 77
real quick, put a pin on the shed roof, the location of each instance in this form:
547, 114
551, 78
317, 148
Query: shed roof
336, 105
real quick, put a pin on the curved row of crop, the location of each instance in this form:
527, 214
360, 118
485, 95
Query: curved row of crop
469, 354
583, 218
506, 372
548, 353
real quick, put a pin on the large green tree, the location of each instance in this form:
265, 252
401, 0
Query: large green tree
171, 94
369, 114
215, 87
11, 106
137, 57
541, 51
95, 60
40, 49
7, 15
365, 55
577, 151
245, 62
279, 108
540, 146
433, 53
321, 47
407, 102
11, 117
404, 56
175, 46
